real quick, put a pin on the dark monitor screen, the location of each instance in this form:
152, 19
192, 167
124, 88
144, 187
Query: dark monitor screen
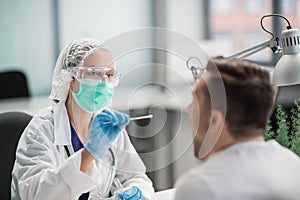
286, 95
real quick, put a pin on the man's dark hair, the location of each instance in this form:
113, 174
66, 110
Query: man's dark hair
249, 94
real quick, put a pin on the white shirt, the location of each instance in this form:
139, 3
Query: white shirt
254, 170
42, 169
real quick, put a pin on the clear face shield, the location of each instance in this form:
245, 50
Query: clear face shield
96, 75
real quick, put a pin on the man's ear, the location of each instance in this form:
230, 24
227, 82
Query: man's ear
217, 120
216, 123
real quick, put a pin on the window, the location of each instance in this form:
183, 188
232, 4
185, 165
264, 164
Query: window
242, 29
255, 6
288, 6
223, 6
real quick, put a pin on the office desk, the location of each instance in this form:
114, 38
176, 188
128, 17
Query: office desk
29, 105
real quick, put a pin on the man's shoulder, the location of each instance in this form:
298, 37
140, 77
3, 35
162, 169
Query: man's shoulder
192, 184
195, 177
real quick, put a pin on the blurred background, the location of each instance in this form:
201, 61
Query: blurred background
154, 80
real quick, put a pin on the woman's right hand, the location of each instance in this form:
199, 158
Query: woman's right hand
105, 127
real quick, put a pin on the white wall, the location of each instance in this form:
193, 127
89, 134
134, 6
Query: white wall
26, 41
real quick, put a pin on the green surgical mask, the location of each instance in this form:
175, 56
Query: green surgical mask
92, 98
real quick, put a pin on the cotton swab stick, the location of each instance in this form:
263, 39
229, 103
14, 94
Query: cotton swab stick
141, 117
136, 118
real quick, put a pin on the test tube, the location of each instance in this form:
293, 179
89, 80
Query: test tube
118, 183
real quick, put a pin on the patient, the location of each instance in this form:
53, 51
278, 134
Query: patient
228, 115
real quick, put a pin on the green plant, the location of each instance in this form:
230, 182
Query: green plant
287, 132
269, 132
295, 141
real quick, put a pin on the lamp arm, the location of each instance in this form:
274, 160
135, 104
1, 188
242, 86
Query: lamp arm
272, 43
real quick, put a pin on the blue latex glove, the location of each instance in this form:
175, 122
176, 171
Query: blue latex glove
133, 193
105, 127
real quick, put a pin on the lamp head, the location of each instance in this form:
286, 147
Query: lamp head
290, 41
287, 69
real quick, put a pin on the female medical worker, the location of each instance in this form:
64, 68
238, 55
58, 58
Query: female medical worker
75, 148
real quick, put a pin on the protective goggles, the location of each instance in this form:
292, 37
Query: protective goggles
96, 75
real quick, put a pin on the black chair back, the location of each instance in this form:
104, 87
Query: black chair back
12, 125
13, 84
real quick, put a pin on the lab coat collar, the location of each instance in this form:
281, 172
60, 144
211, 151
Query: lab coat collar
62, 130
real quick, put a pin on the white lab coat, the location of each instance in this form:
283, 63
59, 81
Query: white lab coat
42, 169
